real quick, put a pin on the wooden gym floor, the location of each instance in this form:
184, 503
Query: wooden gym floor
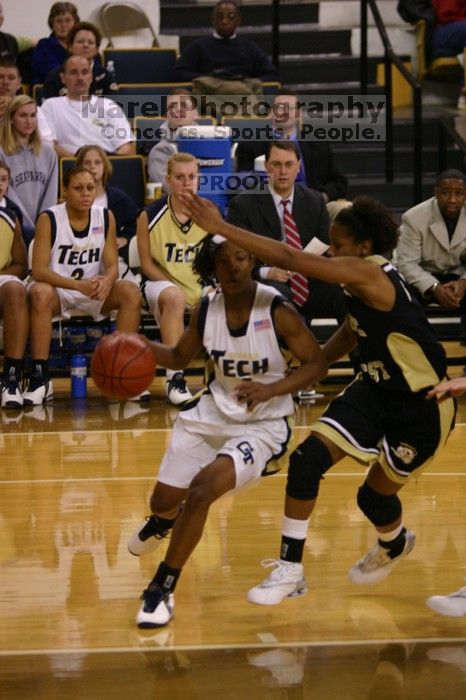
75, 479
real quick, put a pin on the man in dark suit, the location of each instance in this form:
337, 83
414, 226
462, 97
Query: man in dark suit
261, 211
317, 169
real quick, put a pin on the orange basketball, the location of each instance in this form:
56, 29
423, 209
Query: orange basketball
122, 365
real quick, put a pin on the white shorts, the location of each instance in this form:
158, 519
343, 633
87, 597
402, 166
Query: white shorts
151, 292
10, 278
202, 432
70, 299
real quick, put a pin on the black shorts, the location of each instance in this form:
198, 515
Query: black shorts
403, 432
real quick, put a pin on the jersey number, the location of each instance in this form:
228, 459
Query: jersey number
78, 274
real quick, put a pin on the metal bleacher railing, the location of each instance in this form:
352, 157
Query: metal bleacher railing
391, 59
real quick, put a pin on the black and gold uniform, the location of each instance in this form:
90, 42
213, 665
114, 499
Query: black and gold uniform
383, 414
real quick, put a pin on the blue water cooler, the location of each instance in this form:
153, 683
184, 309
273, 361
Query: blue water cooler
78, 373
211, 145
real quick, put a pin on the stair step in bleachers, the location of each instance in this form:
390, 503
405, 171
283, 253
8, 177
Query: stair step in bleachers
395, 195
298, 39
329, 69
356, 158
173, 15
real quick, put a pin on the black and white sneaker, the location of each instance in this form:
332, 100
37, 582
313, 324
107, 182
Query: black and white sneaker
157, 607
11, 394
38, 392
176, 391
147, 537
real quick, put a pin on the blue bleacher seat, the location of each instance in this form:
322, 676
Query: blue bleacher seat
142, 65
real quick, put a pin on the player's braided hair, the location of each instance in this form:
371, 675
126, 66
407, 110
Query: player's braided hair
368, 219
204, 261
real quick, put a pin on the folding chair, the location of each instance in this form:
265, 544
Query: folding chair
123, 19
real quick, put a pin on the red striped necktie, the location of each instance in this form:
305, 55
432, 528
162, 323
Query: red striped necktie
299, 284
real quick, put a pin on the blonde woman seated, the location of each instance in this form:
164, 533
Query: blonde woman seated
33, 163
167, 243
74, 265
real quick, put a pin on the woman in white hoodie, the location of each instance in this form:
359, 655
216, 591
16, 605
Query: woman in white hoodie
33, 164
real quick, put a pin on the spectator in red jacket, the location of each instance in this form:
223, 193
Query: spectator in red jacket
449, 33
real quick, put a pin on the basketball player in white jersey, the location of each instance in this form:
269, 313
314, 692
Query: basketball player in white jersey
453, 604
74, 265
233, 431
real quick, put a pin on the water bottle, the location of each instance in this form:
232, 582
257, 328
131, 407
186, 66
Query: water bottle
78, 376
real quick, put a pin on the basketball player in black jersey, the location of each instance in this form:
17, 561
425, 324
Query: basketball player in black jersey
382, 418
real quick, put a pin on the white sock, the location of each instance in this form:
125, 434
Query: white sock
389, 536
296, 529
169, 374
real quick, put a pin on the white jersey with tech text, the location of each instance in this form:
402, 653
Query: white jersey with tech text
253, 355
72, 255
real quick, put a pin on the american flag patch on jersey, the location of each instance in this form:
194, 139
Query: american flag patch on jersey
97, 230
262, 325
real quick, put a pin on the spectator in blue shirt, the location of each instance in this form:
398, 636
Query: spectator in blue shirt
52, 51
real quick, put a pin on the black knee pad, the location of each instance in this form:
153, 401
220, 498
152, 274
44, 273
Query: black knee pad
380, 510
308, 464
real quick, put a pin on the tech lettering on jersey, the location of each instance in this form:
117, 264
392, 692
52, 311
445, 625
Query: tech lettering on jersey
74, 255
176, 253
231, 366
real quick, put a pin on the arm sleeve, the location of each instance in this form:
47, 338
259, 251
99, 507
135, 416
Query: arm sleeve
409, 257
245, 157
50, 194
42, 60
52, 85
263, 66
188, 65
125, 216
157, 161
323, 222
237, 216
109, 85
46, 125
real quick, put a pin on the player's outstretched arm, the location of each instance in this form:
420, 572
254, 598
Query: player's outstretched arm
340, 343
444, 390
180, 355
351, 271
